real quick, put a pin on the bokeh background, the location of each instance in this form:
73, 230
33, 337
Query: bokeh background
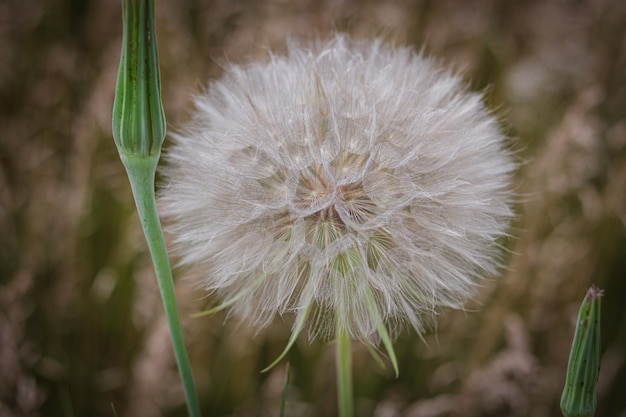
82, 331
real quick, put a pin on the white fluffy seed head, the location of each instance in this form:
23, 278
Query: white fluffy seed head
350, 183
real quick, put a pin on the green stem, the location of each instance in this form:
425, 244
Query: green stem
344, 374
141, 171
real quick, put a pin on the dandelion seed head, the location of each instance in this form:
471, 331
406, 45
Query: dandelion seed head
347, 182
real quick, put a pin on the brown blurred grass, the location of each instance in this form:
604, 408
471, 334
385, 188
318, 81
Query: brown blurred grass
81, 325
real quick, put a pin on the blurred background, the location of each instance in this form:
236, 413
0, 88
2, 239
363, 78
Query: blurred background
82, 331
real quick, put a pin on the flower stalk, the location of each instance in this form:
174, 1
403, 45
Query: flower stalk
139, 130
344, 374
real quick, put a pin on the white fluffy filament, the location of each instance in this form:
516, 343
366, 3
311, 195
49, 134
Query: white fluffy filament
349, 182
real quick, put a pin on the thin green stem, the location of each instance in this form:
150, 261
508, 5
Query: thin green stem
344, 374
141, 171
283, 398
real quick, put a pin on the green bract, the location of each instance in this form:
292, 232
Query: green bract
579, 395
138, 118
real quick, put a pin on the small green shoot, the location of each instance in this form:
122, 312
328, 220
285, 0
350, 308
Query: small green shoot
579, 394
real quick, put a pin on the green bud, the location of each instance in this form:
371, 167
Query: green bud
579, 395
138, 117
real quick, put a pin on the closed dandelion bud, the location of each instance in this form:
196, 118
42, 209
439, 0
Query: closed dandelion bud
579, 394
138, 118
347, 182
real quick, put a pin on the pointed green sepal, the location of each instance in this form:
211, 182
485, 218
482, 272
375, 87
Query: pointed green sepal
233, 300
138, 118
386, 339
579, 394
297, 328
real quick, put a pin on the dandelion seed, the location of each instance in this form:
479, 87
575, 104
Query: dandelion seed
354, 185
